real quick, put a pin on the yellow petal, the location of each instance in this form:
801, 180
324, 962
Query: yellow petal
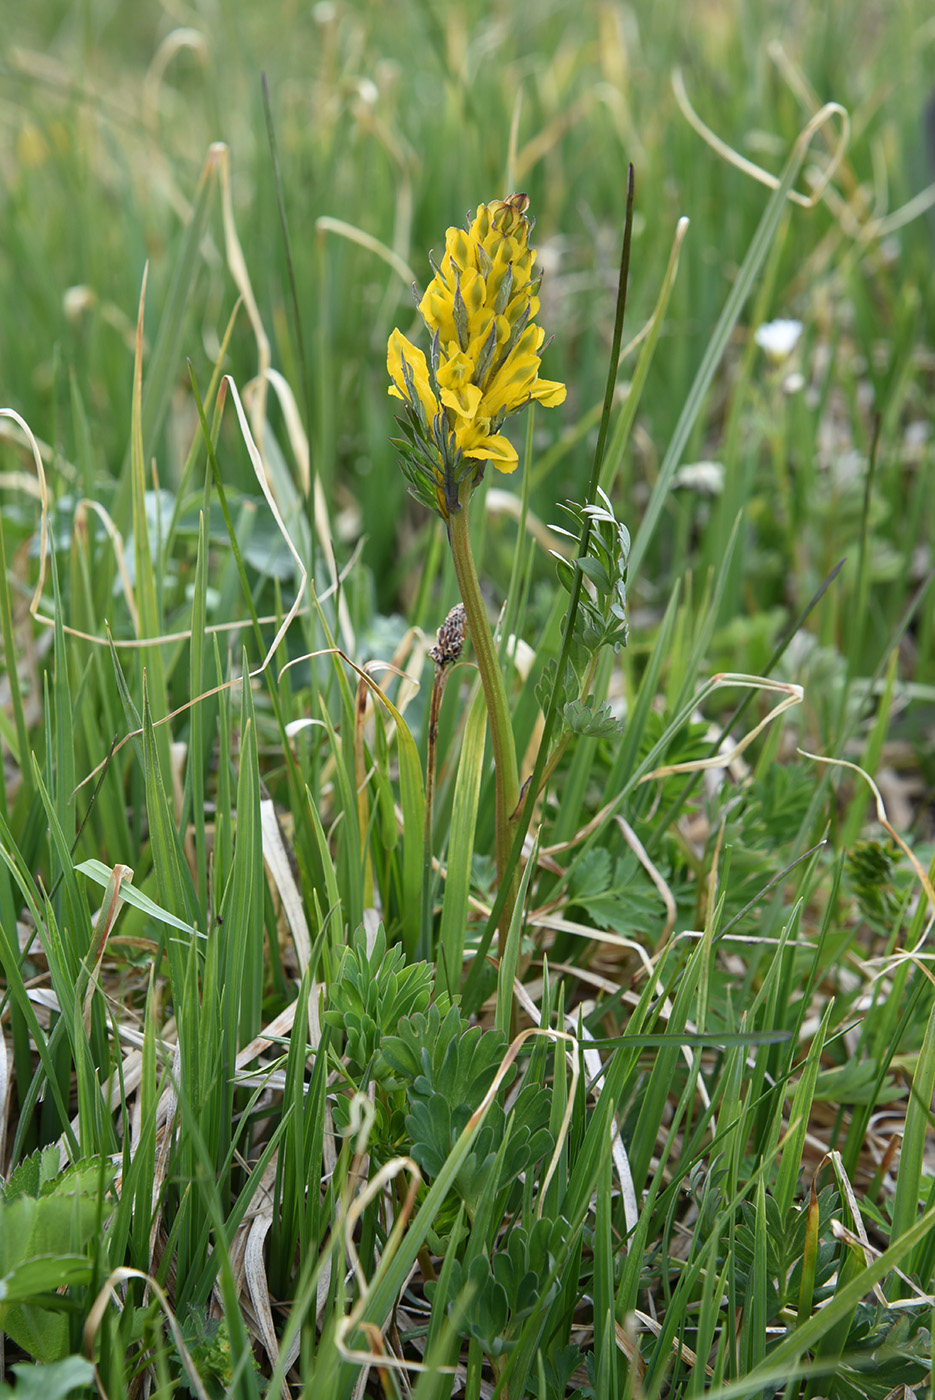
474, 292
398, 351
502, 453
437, 310
511, 385
459, 249
465, 401
494, 448
456, 384
549, 392
457, 370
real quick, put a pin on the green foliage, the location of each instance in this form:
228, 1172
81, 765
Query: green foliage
53, 1381
602, 613
598, 721
857, 1081
370, 994
759, 823
614, 893
557, 1367
207, 1340
432, 1052
34, 1176
547, 682
494, 1293
885, 1349
434, 1125
48, 1219
778, 803
684, 744
447, 1068
872, 870
785, 1246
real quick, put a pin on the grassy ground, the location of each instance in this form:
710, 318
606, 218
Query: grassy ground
281, 1110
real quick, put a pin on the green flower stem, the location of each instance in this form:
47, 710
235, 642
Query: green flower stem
506, 772
558, 753
435, 706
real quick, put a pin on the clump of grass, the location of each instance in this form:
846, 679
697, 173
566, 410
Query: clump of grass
312, 1076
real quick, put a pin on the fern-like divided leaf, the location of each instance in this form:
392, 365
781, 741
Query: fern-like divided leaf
602, 608
494, 1293
597, 721
448, 1068
371, 995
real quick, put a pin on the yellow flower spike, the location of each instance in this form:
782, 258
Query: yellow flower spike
480, 310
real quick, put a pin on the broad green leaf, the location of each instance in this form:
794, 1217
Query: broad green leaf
54, 1381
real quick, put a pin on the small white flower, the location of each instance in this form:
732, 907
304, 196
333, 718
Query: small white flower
77, 300
778, 338
916, 435
367, 91
707, 478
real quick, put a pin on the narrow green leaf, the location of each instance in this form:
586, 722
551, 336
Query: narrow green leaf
201, 715
790, 1165
173, 878
63, 778
753, 1329
509, 957
605, 1341
20, 747
460, 850
241, 925
147, 564
909, 1187
101, 874
808, 1336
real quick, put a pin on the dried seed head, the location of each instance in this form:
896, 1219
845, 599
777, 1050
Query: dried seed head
449, 639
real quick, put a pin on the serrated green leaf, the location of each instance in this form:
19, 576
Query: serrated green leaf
598, 722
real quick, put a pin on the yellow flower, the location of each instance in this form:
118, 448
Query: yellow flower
480, 309
472, 432
401, 352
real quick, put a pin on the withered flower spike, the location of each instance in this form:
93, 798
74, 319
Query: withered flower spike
449, 639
